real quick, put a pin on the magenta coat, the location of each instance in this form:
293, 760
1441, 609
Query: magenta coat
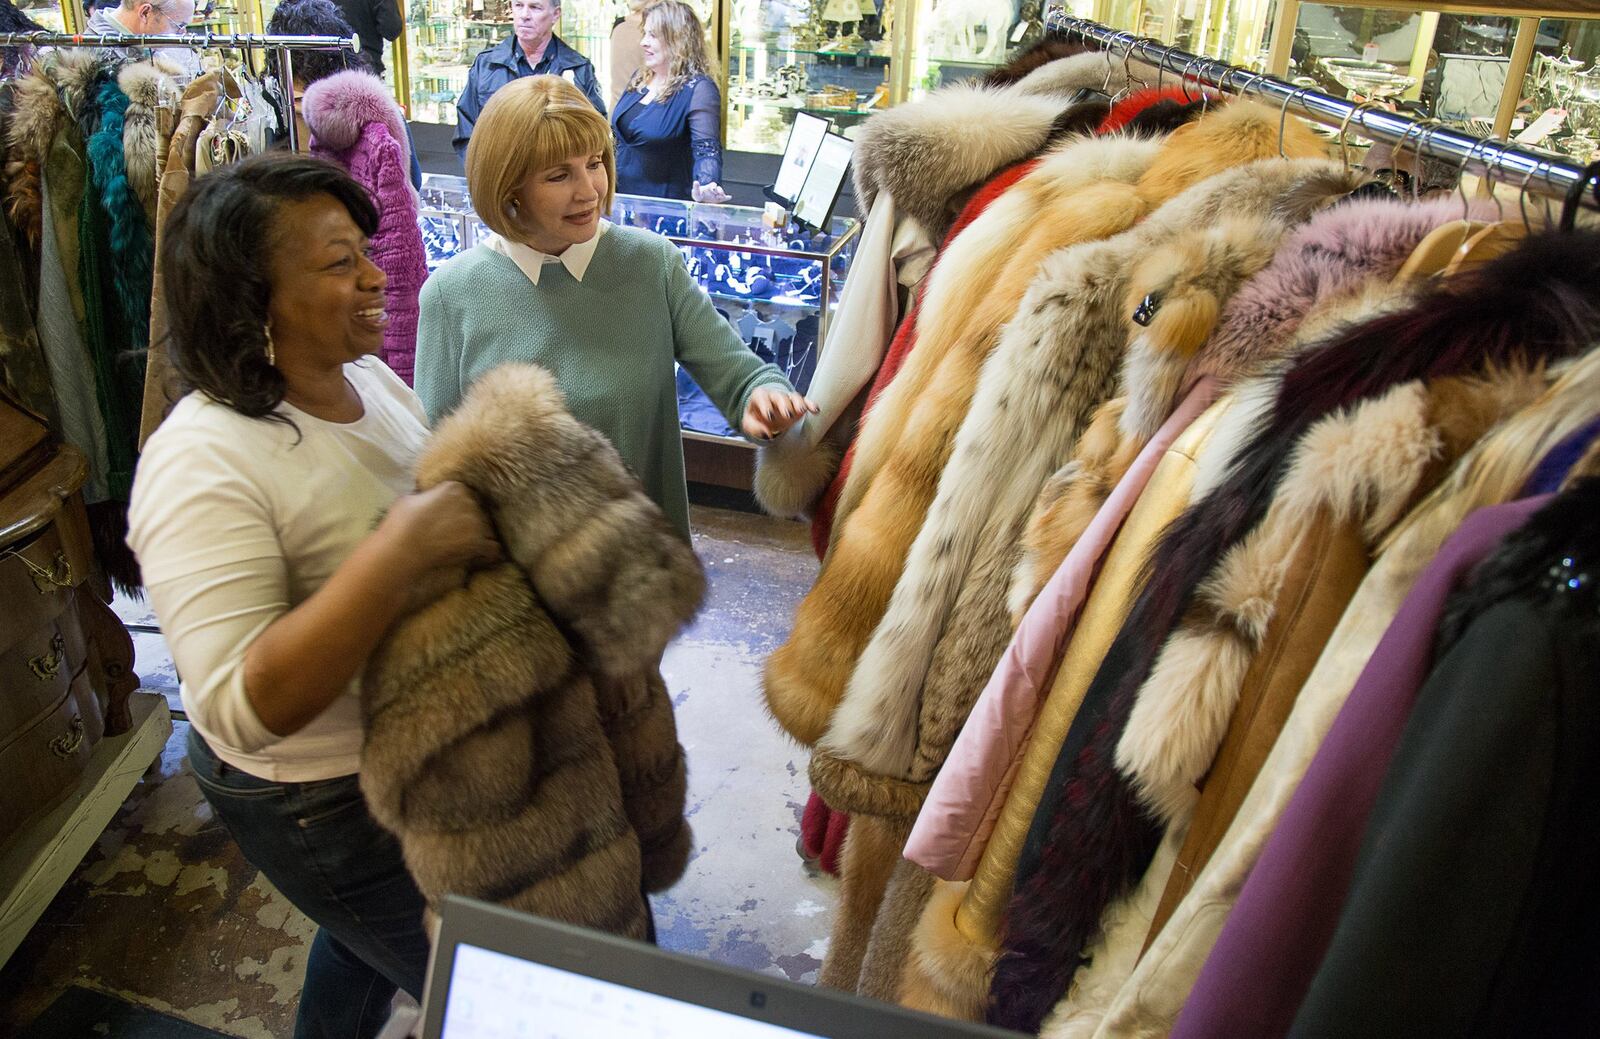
356, 123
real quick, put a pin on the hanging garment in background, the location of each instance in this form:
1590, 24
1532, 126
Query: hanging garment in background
355, 122
153, 96
22, 360
1165, 974
1149, 777
806, 676
957, 938
1472, 909
1330, 808
200, 100
947, 622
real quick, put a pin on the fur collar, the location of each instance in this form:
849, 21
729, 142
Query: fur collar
338, 107
151, 83
74, 73
925, 154
1143, 106
1364, 466
36, 112
1191, 335
1534, 304
149, 86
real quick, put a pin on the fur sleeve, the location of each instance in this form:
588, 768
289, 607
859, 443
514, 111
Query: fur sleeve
1069, 501
600, 554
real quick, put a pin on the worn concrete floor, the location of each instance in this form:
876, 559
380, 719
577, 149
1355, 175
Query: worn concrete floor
166, 913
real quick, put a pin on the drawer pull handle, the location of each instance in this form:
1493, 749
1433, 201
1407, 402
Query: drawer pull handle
48, 666
67, 744
46, 581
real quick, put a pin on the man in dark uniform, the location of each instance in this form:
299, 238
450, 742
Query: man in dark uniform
532, 49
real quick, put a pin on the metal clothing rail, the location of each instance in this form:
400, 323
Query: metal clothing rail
1531, 171
194, 41
282, 46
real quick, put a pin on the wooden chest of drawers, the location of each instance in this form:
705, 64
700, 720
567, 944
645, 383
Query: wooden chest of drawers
65, 661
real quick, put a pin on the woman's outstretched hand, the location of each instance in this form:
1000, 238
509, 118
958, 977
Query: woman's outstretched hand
711, 192
771, 411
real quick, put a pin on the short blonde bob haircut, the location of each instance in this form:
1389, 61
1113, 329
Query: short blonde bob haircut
529, 125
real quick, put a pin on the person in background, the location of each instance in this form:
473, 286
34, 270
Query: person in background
13, 20
532, 49
668, 124
374, 21
149, 18
355, 122
608, 310
626, 55
274, 520
324, 18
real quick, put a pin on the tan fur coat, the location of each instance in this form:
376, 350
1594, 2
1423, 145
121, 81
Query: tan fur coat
520, 741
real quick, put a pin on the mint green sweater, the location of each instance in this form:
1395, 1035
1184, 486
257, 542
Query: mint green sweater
610, 340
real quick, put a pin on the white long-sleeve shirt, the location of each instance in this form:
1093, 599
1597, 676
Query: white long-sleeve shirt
235, 523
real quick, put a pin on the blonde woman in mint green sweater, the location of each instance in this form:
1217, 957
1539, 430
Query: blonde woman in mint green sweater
607, 309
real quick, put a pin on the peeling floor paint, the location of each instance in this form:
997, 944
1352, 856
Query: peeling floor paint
164, 911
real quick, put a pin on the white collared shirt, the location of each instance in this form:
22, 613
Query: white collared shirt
531, 261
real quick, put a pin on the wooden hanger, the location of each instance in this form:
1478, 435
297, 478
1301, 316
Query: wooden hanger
1439, 248
1493, 241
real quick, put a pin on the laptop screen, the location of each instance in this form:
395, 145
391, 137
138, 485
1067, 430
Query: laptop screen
495, 996
500, 974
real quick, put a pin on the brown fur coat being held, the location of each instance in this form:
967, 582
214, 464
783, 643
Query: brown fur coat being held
520, 740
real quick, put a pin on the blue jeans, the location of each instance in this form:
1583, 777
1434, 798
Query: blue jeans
319, 846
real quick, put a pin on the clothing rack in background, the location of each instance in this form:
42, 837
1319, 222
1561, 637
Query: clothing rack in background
282, 48
1529, 171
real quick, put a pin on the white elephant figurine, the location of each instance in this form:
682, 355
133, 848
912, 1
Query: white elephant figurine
957, 21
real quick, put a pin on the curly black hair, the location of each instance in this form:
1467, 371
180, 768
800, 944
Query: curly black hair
316, 18
214, 261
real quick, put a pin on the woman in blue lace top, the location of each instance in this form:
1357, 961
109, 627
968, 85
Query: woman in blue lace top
668, 122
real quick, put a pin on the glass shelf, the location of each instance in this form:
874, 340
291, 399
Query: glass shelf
46, 12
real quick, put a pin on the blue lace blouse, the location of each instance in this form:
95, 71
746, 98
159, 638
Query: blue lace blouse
664, 147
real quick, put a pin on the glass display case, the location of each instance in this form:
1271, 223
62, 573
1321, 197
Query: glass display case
777, 287
48, 13
1492, 72
953, 40
445, 215
443, 38
1559, 108
227, 16
832, 58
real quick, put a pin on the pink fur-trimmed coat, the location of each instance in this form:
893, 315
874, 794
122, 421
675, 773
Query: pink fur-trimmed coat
355, 122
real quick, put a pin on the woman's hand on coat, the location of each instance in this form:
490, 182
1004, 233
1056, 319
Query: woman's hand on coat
443, 526
771, 411
711, 192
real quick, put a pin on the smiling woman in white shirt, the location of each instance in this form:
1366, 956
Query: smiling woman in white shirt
606, 309
272, 518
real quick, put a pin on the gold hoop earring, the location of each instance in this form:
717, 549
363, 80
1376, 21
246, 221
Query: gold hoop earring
272, 353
